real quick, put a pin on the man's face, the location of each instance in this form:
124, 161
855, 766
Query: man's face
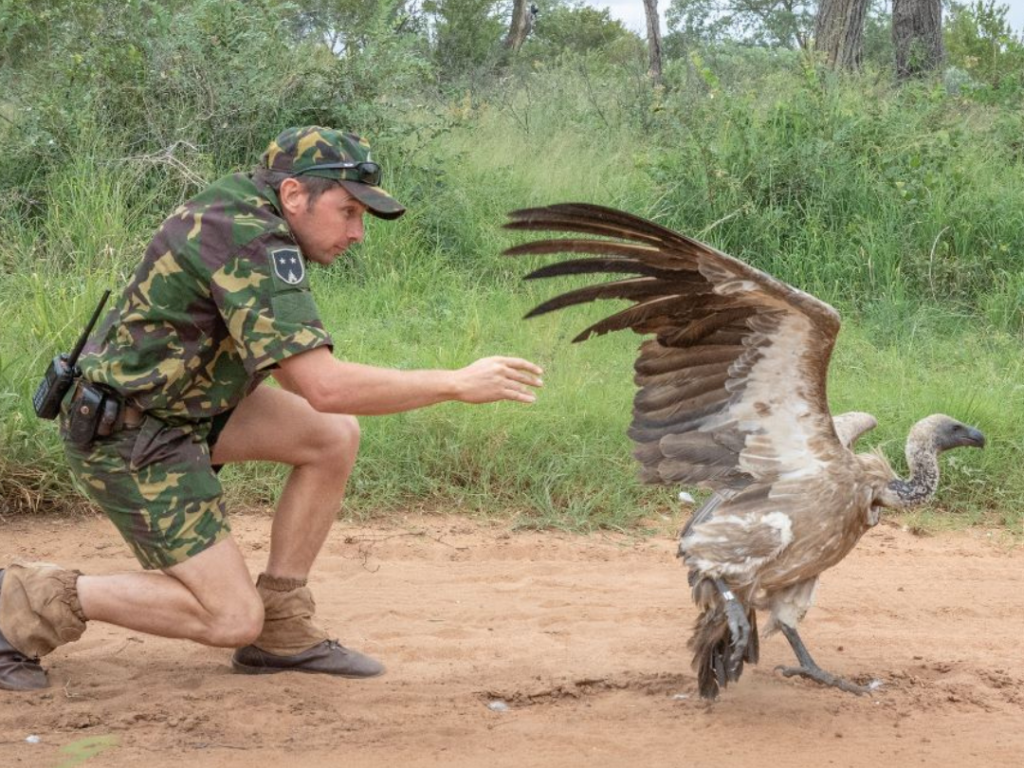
325, 229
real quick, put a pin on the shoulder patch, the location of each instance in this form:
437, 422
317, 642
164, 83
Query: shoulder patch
288, 265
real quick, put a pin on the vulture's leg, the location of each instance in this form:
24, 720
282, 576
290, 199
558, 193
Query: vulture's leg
808, 667
739, 628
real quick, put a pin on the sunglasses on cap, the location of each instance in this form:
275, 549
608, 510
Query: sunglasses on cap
366, 172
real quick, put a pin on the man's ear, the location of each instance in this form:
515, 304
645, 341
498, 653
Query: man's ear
292, 195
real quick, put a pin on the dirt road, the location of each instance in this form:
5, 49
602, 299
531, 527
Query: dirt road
583, 638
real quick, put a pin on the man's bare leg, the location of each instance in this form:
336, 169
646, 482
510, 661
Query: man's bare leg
209, 598
276, 425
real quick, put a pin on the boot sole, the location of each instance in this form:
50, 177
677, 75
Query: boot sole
4, 687
245, 669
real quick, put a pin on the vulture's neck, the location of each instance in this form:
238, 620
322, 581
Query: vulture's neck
923, 460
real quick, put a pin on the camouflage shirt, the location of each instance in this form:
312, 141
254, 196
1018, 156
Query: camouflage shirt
220, 298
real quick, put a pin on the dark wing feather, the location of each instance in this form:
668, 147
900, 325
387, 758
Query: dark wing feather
732, 386
619, 289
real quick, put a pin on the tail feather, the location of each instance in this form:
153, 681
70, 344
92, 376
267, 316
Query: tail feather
753, 654
709, 644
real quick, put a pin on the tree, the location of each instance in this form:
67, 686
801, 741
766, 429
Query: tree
523, 14
339, 23
839, 32
696, 23
917, 36
573, 27
468, 34
782, 22
772, 23
346, 26
980, 40
653, 40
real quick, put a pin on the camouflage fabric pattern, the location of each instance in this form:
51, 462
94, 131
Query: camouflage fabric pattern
297, 151
156, 485
220, 297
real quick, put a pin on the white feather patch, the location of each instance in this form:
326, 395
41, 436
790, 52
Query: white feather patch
722, 546
775, 410
781, 522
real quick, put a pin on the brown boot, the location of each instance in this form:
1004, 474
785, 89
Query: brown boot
290, 641
39, 608
326, 658
17, 671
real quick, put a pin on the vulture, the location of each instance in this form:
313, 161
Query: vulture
732, 397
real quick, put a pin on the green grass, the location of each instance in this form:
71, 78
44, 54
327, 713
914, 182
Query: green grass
902, 208
565, 461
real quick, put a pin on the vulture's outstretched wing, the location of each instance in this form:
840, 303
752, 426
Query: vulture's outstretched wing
732, 387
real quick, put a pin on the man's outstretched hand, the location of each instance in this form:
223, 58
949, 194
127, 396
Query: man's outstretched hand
336, 386
498, 378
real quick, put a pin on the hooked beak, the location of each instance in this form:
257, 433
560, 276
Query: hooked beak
974, 438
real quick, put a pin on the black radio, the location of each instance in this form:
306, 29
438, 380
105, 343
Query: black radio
62, 372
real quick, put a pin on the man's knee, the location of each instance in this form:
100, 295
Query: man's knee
338, 441
225, 609
236, 626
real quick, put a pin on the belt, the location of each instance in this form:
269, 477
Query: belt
117, 413
128, 417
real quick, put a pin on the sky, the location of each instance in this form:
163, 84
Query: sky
631, 12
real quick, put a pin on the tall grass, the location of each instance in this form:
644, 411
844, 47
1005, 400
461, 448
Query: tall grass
903, 208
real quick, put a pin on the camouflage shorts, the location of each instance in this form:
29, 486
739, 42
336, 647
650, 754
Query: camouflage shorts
156, 484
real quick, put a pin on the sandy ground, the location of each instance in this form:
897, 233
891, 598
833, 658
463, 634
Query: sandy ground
582, 637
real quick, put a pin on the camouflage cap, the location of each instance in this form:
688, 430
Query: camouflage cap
331, 154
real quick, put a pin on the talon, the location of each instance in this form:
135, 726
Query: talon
808, 667
822, 677
784, 670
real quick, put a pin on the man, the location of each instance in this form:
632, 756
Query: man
221, 301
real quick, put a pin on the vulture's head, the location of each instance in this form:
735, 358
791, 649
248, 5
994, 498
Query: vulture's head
941, 432
928, 438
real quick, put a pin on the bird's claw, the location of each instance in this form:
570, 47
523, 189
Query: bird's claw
819, 675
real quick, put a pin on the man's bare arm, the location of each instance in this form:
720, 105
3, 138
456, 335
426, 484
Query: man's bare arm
335, 386
282, 378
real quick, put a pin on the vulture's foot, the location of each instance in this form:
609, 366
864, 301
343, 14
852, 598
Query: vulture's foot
819, 675
809, 668
739, 630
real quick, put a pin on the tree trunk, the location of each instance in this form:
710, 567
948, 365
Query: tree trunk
917, 36
522, 22
839, 32
653, 40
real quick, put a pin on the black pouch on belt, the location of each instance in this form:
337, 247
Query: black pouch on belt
84, 413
